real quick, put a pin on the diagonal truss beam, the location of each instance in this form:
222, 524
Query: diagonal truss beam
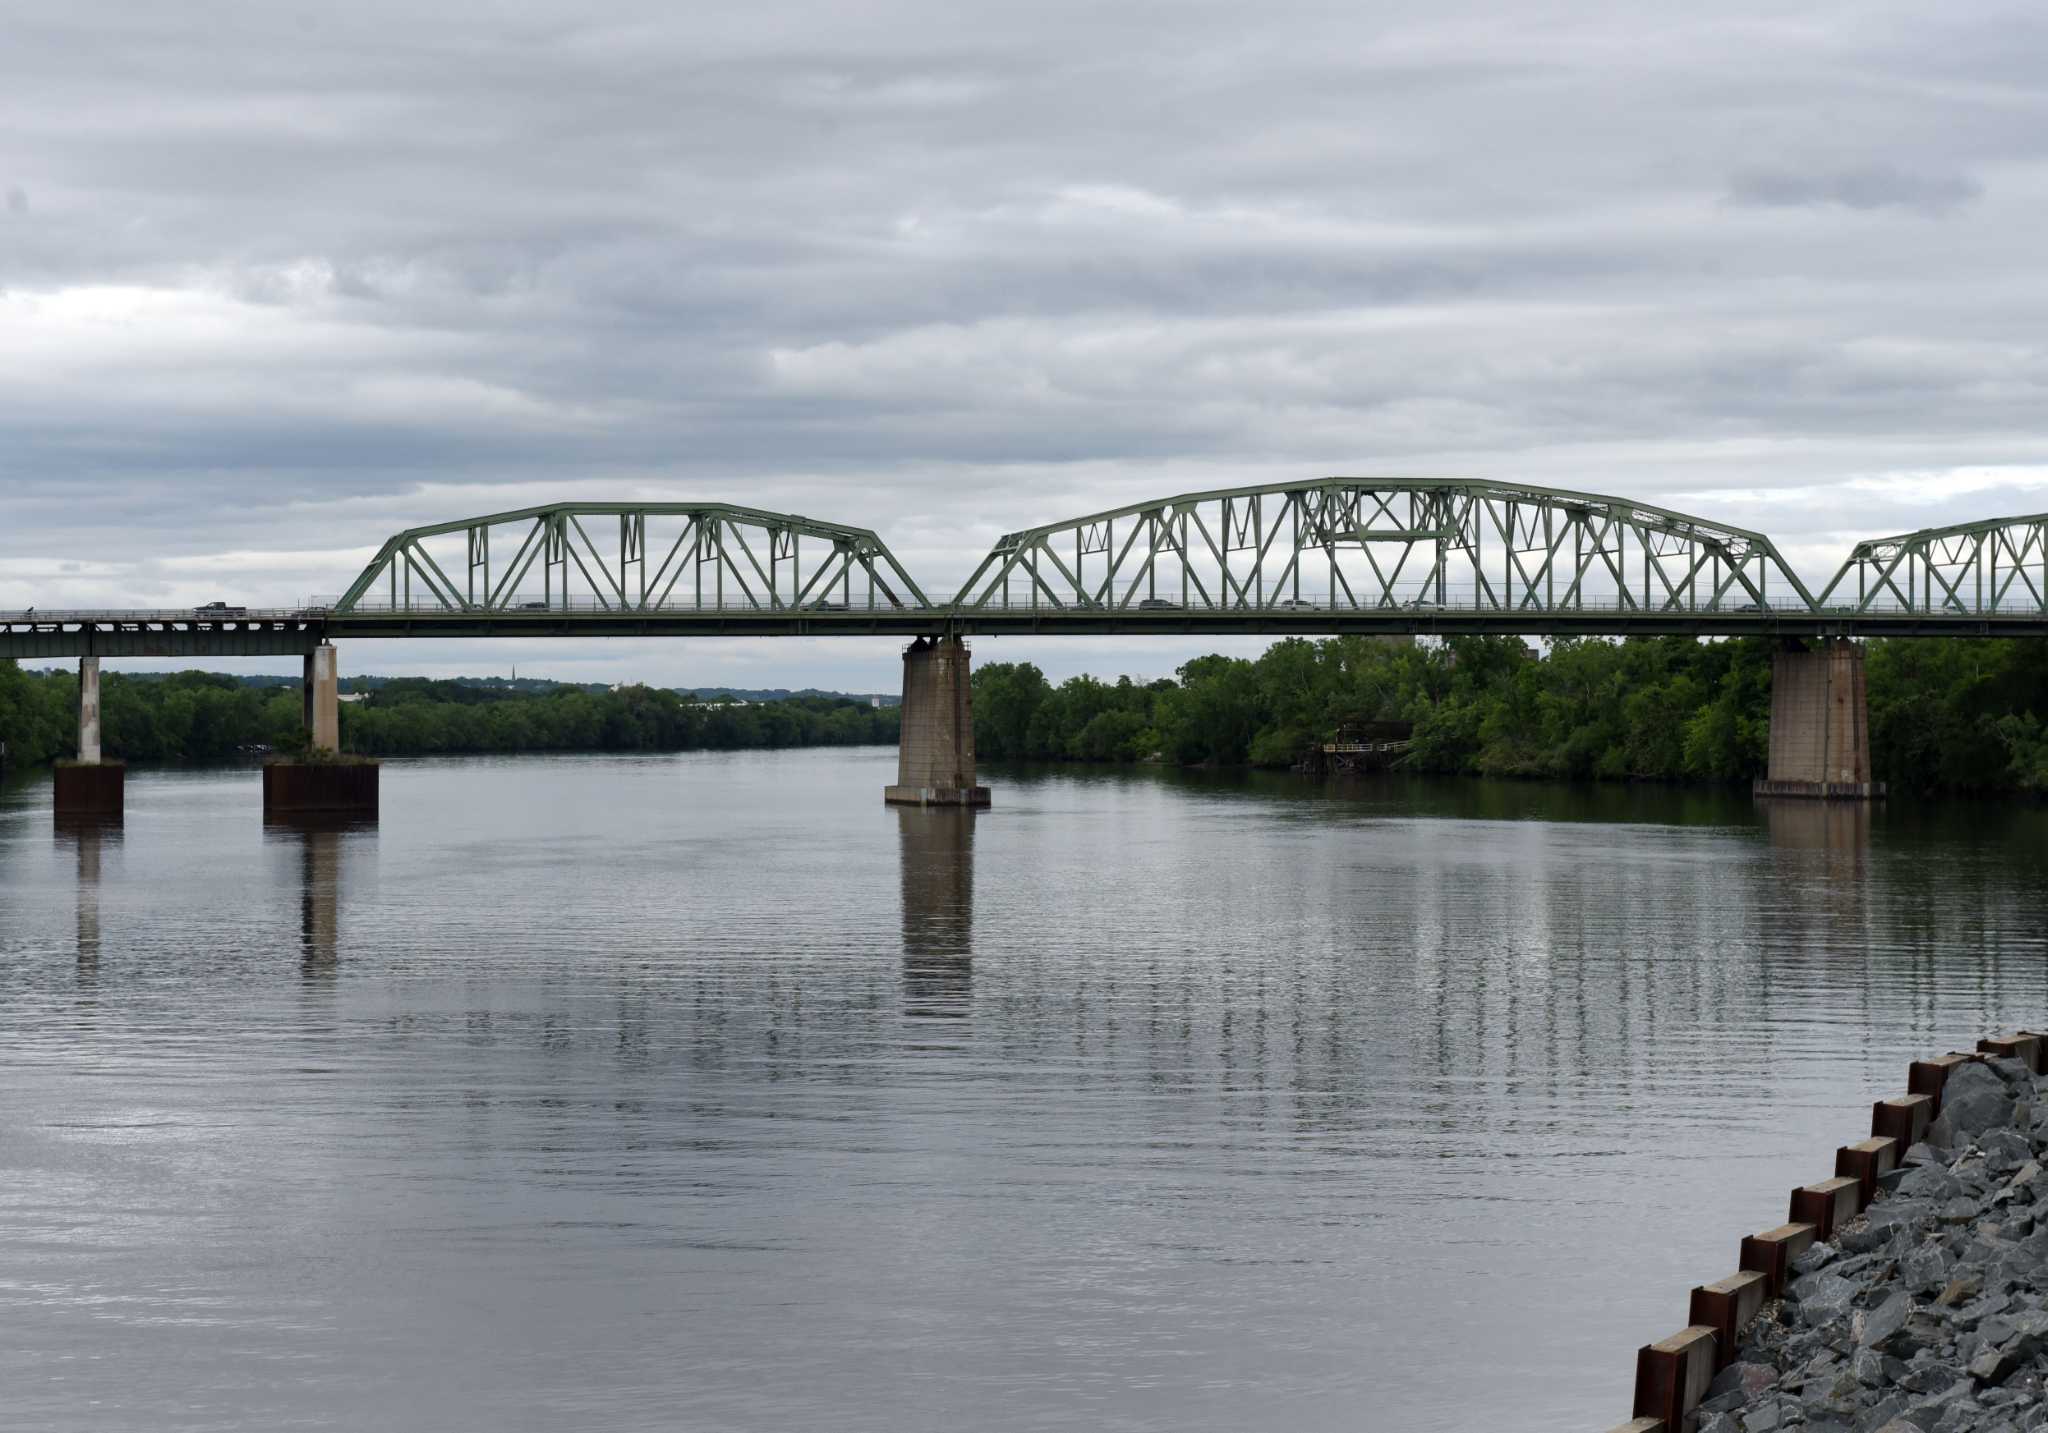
556, 563
1996, 566
1338, 543
1388, 542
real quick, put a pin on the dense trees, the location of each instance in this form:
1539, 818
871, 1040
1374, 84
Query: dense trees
1960, 715
36, 723
1965, 715
410, 717
196, 716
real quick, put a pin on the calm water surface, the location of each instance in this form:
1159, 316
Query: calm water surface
705, 1092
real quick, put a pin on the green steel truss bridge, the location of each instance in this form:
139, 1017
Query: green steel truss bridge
1334, 555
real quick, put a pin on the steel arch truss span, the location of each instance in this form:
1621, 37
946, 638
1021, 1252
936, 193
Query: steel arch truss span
1372, 544
627, 558
1978, 569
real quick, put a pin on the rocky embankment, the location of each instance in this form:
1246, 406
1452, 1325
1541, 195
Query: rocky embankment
1929, 1312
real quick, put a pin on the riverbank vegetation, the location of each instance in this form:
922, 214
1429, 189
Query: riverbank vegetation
1948, 715
204, 716
1943, 715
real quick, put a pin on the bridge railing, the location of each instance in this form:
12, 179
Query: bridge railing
1466, 600
71, 616
584, 606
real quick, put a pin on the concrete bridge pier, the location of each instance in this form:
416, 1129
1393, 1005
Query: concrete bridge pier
1820, 724
325, 783
935, 754
322, 698
89, 788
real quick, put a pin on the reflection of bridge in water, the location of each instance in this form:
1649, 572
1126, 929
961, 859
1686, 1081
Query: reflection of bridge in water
1332, 556
936, 849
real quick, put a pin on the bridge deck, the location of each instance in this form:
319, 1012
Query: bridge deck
284, 632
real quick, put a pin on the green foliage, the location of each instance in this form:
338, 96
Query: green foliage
1943, 714
1958, 715
417, 719
199, 716
2026, 738
37, 721
1950, 714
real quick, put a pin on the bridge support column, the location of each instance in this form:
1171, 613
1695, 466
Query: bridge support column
1820, 725
325, 784
89, 788
935, 754
322, 700
89, 711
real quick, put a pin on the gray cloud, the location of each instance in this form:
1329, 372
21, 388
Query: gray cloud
295, 278
1873, 187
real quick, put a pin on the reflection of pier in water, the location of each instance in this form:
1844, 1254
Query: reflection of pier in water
320, 846
937, 844
1831, 874
87, 836
1840, 828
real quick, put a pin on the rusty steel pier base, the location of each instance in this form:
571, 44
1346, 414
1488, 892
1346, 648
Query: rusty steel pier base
339, 789
91, 791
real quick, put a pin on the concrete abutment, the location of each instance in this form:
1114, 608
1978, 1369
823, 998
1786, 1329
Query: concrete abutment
935, 754
1820, 725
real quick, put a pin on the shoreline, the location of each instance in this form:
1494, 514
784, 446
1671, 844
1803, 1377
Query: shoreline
1908, 1294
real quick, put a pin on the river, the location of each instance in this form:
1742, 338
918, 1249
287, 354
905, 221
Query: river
705, 1092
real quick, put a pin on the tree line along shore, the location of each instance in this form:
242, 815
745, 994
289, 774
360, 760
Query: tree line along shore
1944, 715
206, 716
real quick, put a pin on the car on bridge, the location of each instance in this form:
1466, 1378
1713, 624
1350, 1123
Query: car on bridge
1157, 604
1294, 604
220, 609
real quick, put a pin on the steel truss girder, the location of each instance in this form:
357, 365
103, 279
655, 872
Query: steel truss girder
1994, 567
630, 558
1386, 542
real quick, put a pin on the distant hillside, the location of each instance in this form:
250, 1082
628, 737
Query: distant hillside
540, 686
783, 694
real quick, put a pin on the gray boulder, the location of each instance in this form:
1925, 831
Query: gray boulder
1973, 1100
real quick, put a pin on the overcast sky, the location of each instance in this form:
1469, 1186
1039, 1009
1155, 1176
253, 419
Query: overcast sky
278, 280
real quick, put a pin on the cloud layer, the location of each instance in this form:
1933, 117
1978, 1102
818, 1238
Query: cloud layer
276, 280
